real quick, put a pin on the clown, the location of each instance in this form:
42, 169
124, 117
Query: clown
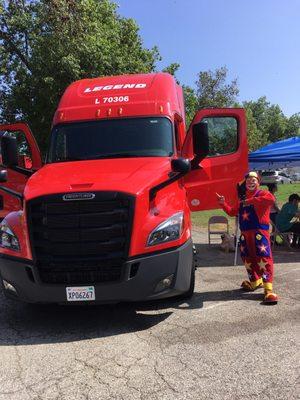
254, 219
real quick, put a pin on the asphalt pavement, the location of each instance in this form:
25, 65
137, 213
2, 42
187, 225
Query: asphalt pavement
222, 344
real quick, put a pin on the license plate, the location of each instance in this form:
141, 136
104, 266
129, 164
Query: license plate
80, 293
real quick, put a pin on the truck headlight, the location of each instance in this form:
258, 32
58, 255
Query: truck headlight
167, 231
8, 239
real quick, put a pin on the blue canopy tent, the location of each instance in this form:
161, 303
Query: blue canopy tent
285, 153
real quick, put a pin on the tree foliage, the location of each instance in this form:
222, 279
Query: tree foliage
214, 91
47, 44
293, 125
172, 69
271, 123
191, 103
255, 140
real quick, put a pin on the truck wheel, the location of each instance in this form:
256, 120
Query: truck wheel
189, 293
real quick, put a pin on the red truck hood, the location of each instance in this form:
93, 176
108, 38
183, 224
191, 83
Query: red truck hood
130, 175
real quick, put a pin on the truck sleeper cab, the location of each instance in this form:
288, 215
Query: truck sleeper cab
107, 217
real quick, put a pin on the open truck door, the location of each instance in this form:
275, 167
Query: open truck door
20, 158
226, 162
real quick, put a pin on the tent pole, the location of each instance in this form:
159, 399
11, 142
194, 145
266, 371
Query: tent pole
236, 240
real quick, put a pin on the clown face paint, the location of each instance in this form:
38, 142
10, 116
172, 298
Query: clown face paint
252, 183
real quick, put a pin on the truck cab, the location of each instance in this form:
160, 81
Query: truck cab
106, 217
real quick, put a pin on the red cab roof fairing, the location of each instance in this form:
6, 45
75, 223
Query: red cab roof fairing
119, 97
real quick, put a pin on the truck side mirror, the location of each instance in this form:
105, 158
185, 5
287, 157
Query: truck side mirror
181, 165
3, 177
201, 140
200, 143
9, 151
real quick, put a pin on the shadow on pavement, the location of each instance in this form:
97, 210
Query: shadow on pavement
23, 324
198, 300
213, 256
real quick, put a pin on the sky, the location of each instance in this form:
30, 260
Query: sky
257, 40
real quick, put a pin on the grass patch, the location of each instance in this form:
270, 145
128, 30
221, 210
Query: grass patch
284, 191
200, 219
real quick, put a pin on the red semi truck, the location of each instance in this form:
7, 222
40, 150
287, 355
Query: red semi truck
106, 217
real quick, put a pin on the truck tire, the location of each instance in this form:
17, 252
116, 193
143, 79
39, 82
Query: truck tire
189, 293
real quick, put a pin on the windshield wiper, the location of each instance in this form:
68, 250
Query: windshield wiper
114, 155
107, 155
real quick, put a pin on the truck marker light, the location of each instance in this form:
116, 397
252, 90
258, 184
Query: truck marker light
109, 112
61, 115
161, 109
120, 111
98, 112
21, 217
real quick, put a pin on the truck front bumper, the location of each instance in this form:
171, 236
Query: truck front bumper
156, 276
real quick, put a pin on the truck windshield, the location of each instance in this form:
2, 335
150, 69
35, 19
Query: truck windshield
118, 138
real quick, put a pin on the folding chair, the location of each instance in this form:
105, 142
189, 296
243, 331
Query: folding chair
284, 236
220, 226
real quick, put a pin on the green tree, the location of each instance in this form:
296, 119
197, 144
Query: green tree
191, 103
255, 140
259, 109
213, 91
47, 44
293, 125
276, 123
271, 123
172, 69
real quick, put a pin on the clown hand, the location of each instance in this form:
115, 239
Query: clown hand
221, 199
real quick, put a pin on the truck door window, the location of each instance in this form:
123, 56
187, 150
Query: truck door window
24, 153
223, 135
